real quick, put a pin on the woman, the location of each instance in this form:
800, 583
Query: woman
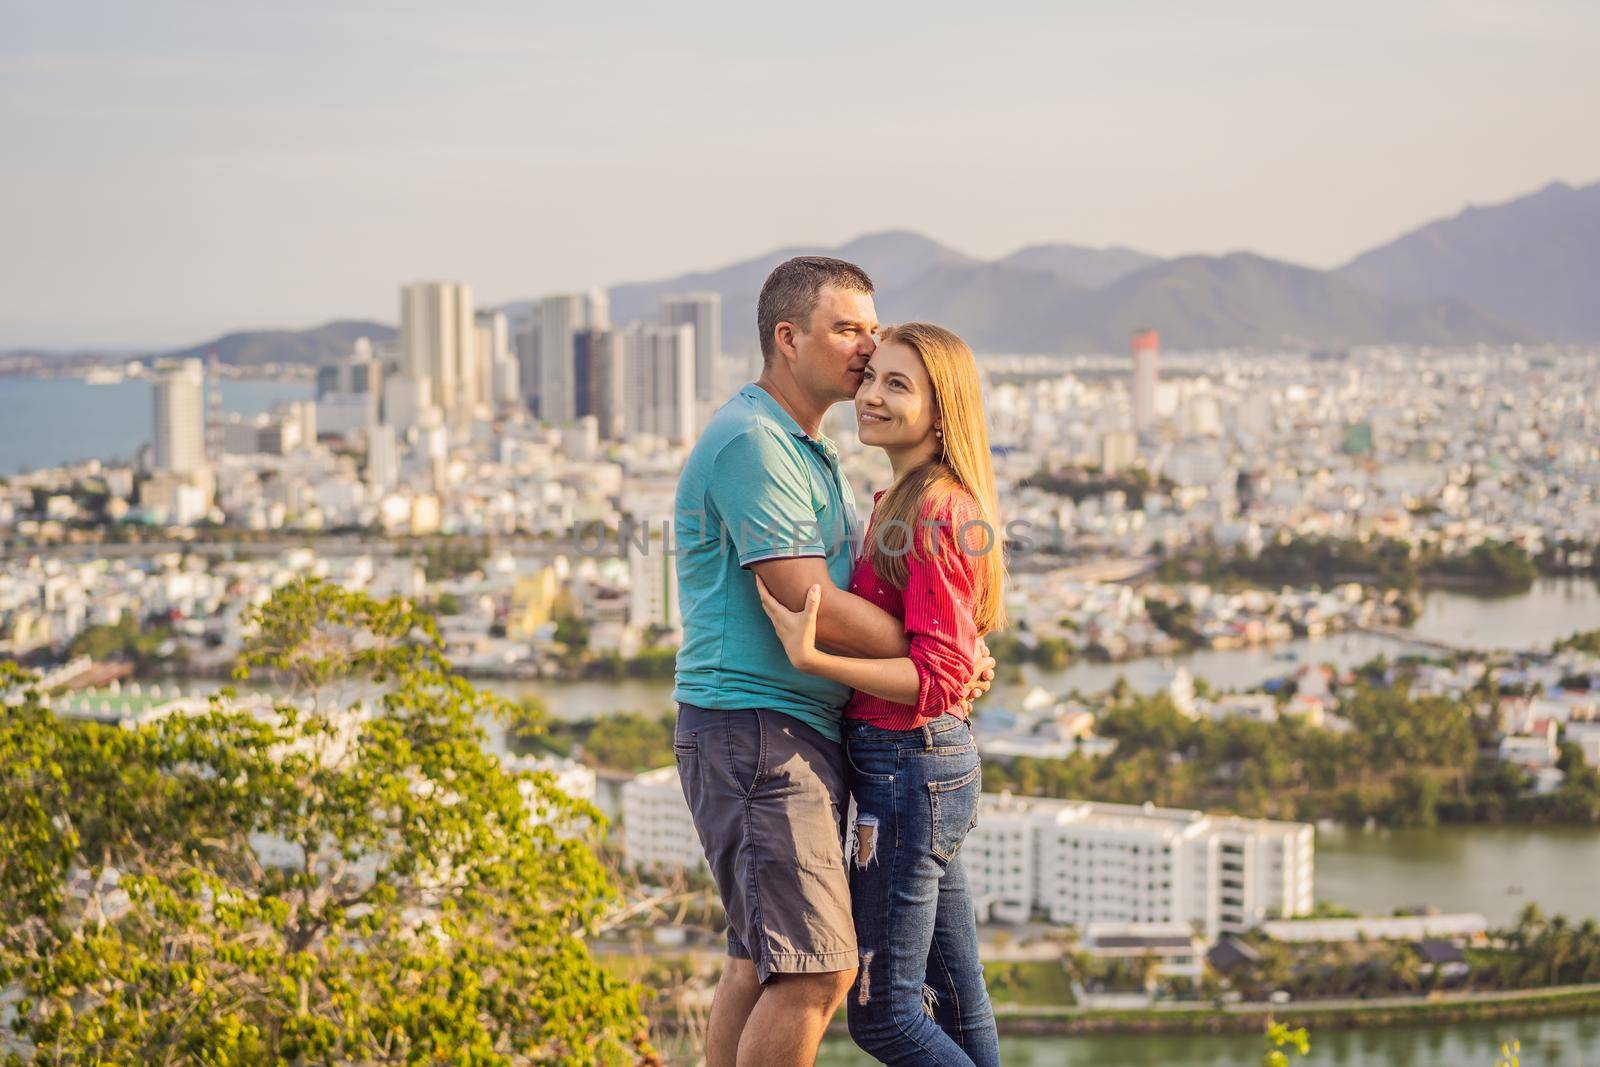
932, 557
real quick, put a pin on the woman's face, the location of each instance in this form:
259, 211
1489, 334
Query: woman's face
894, 406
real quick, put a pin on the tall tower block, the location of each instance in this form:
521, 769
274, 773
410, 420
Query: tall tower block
1146, 350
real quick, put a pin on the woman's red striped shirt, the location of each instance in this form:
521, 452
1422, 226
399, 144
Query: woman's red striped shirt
936, 607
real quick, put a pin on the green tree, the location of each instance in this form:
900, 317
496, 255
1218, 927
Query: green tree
346, 876
630, 741
126, 639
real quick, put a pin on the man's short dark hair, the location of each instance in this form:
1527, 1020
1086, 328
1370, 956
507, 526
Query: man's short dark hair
791, 291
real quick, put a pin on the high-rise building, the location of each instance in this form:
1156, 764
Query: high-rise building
561, 316
507, 388
653, 580
658, 364
408, 401
383, 458
525, 350
179, 418
596, 309
703, 311
1146, 350
348, 390
357, 372
598, 374
439, 344
492, 350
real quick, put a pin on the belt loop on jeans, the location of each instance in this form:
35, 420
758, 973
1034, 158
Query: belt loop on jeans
927, 736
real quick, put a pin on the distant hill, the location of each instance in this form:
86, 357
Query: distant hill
892, 257
319, 344
1526, 270
1195, 301
1534, 260
1092, 268
1249, 300
1064, 298
995, 308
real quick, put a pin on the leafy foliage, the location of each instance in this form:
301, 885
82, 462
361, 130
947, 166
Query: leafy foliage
1540, 950
1404, 756
1586, 641
345, 876
126, 639
621, 741
1385, 562
1407, 761
1280, 1037
452, 559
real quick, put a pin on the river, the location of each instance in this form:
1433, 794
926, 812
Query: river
1494, 870
1552, 608
1561, 1042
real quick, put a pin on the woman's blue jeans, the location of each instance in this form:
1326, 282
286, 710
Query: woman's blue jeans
919, 997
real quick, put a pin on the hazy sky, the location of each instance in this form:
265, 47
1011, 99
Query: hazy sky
169, 170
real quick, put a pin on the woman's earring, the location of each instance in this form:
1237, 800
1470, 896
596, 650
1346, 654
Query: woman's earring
938, 433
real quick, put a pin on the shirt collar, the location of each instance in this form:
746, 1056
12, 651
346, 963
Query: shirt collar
768, 403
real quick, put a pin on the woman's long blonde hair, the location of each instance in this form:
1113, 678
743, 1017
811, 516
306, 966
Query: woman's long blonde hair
962, 462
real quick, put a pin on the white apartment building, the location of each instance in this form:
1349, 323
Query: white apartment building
179, 418
1079, 862
657, 832
1069, 861
383, 458
439, 344
653, 577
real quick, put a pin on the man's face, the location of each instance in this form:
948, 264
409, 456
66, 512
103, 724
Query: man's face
831, 351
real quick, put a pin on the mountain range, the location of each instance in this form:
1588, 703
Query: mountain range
1535, 260
319, 344
1524, 270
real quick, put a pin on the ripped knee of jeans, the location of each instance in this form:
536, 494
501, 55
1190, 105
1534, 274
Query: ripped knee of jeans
866, 840
864, 978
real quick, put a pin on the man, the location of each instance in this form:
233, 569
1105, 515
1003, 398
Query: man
757, 742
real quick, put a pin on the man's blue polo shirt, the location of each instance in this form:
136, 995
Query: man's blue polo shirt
756, 487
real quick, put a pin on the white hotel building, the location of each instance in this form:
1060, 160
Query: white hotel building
1079, 862
657, 831
1068, 861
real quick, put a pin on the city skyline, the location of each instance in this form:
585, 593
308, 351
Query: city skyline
281, 167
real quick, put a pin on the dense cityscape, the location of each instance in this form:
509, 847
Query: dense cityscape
513, 477
375, 690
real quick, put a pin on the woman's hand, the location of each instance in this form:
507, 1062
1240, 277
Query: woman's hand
797, 630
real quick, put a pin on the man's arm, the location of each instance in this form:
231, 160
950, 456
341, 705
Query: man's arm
846, 624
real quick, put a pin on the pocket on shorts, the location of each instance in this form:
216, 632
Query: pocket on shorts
745, 744
686, 754
954, 811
